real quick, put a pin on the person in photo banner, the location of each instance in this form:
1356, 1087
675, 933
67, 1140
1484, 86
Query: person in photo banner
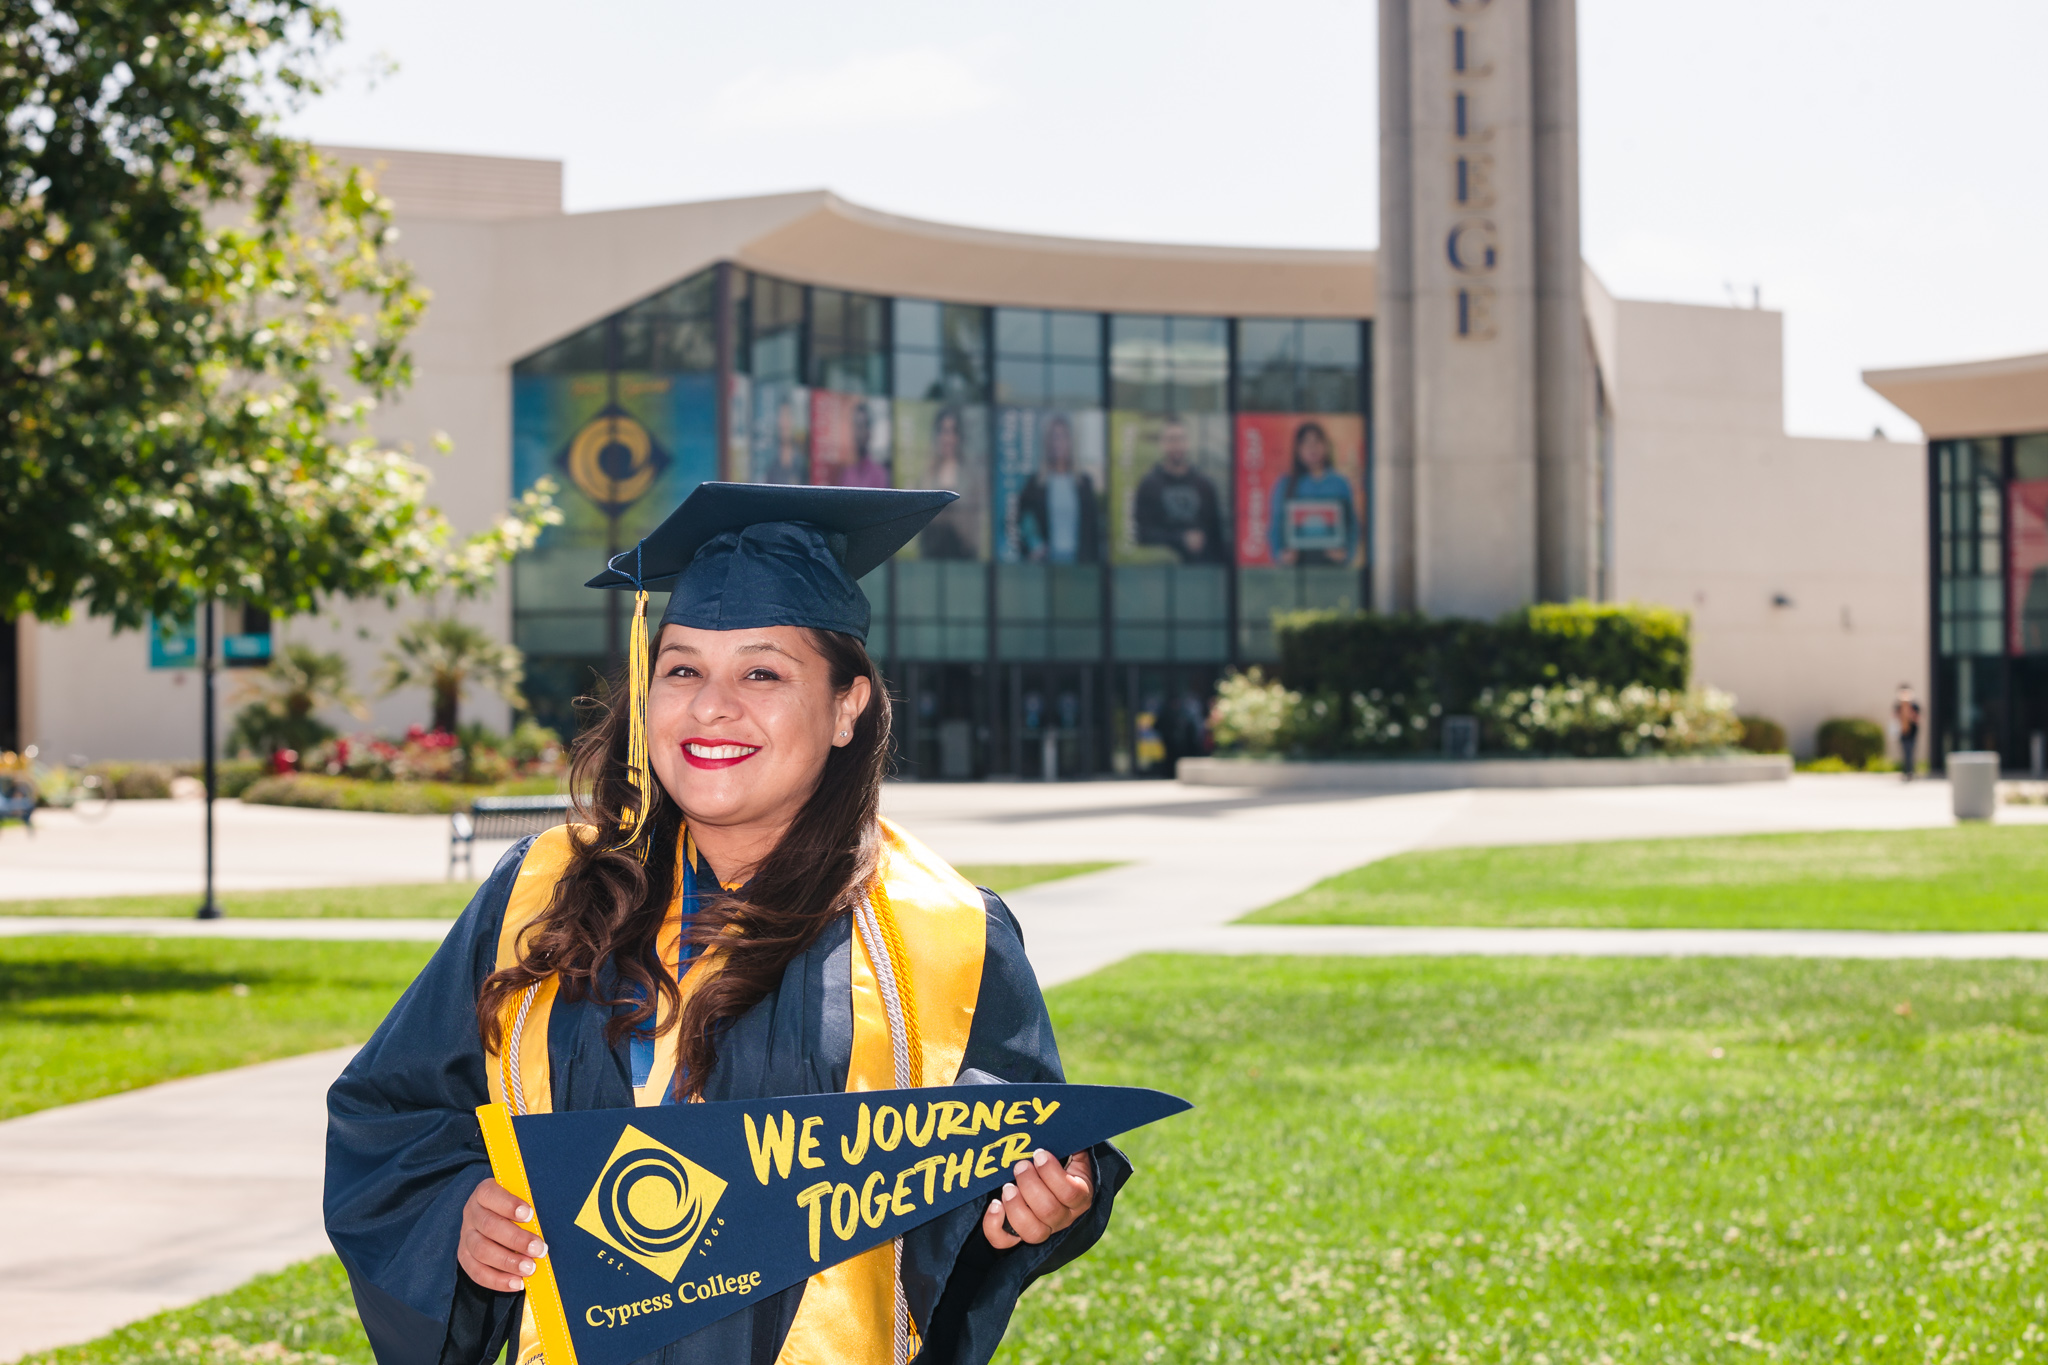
1314, 520
726, 917
1059, 513
792, 461
1176, 505
866, 471
947, 537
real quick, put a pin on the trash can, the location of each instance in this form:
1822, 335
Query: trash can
1973, 783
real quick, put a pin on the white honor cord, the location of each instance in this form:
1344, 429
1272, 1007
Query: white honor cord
870, 928
518, 1032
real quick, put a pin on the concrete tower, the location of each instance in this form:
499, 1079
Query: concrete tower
1483, 436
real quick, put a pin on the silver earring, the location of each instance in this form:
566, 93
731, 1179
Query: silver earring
844, 733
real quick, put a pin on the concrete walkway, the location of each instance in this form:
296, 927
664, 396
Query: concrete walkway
125, 1206
229, 1183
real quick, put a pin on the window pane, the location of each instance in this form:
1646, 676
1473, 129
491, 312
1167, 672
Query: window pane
966, 353
586, 350
828, 315
1076, 384
1138, 364
1330, 390
917, 375
1020, 383
774, 358
917, 325
864, 324
1076, 336
1020, 331
776, 303
1331, 343
2030, 457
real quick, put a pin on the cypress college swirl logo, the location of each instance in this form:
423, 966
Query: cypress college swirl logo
650, 1204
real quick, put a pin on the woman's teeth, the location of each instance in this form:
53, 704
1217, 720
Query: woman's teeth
721, 750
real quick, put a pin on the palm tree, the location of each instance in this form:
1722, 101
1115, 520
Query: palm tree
448, 657
283, 698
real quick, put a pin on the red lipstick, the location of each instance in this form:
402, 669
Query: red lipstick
717, 753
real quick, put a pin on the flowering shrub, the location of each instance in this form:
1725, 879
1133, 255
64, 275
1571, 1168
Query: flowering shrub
1250, 714
1394, 722
1254, 715
1590, 721
475, 756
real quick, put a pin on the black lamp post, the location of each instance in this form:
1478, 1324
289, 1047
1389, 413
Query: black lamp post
209, 908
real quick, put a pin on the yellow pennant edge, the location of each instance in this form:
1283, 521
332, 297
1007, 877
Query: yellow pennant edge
509, 1168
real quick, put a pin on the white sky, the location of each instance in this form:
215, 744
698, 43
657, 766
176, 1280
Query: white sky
1872, 165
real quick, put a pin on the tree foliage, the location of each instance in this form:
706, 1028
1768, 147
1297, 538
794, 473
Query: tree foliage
197, 317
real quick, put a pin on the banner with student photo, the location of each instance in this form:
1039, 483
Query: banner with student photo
1300, 489
780, 447
850, 440
945, 445
1169, 483
1051, 489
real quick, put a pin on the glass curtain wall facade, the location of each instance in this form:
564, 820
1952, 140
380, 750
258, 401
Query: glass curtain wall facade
1139, 496
1989, 502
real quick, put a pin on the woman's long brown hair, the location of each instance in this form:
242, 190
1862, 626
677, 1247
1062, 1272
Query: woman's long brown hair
599, 934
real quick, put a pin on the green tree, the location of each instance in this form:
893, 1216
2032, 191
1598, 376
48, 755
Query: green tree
448, 657
197, 317
280, 712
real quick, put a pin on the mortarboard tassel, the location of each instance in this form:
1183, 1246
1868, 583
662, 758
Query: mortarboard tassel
639, 771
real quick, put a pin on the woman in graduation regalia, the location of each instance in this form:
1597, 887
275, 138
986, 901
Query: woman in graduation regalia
728, 917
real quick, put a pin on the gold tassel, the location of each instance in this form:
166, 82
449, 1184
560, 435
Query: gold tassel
639, 772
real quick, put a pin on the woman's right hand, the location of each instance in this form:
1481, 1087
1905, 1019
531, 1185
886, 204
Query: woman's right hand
494, 1250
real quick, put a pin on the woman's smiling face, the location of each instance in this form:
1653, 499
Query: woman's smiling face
739, 722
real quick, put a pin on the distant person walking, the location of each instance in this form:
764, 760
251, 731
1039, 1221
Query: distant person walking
1906, 711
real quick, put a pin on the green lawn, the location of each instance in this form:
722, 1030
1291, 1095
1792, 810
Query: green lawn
1463, 1160
81, 1017
429, 900
305, 1310
1969, 877
1564, 1160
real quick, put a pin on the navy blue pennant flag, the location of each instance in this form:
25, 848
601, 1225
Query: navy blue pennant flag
661, 1220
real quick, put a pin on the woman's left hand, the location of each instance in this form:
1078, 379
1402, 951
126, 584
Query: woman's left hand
1042, 1198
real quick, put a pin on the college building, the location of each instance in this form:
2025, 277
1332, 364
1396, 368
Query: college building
1157, 447
1986, 503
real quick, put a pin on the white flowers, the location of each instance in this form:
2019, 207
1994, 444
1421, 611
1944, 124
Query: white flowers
1586, 719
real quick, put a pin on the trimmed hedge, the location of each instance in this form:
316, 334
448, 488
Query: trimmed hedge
1856, 742
1761, 735
316, 791
1452, 661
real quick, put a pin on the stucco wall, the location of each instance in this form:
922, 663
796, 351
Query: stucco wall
1719, 512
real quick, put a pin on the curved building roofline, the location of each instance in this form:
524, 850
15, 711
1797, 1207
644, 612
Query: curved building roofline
1973, 398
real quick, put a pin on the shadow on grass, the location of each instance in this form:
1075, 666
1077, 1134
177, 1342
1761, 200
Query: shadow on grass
27, 982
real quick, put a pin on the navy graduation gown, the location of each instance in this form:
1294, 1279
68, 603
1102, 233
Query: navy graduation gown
404, 1150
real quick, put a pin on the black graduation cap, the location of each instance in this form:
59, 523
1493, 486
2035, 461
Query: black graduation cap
740, 555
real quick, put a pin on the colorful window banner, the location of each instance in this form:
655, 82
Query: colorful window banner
779, 449
850, 440
1170, 484
1300, 489
1050, 485
2027, 570
945, 445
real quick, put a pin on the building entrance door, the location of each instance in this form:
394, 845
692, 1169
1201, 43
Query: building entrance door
943, 722
1052, 720
1167, 714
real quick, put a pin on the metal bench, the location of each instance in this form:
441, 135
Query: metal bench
500, 817
18, 801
